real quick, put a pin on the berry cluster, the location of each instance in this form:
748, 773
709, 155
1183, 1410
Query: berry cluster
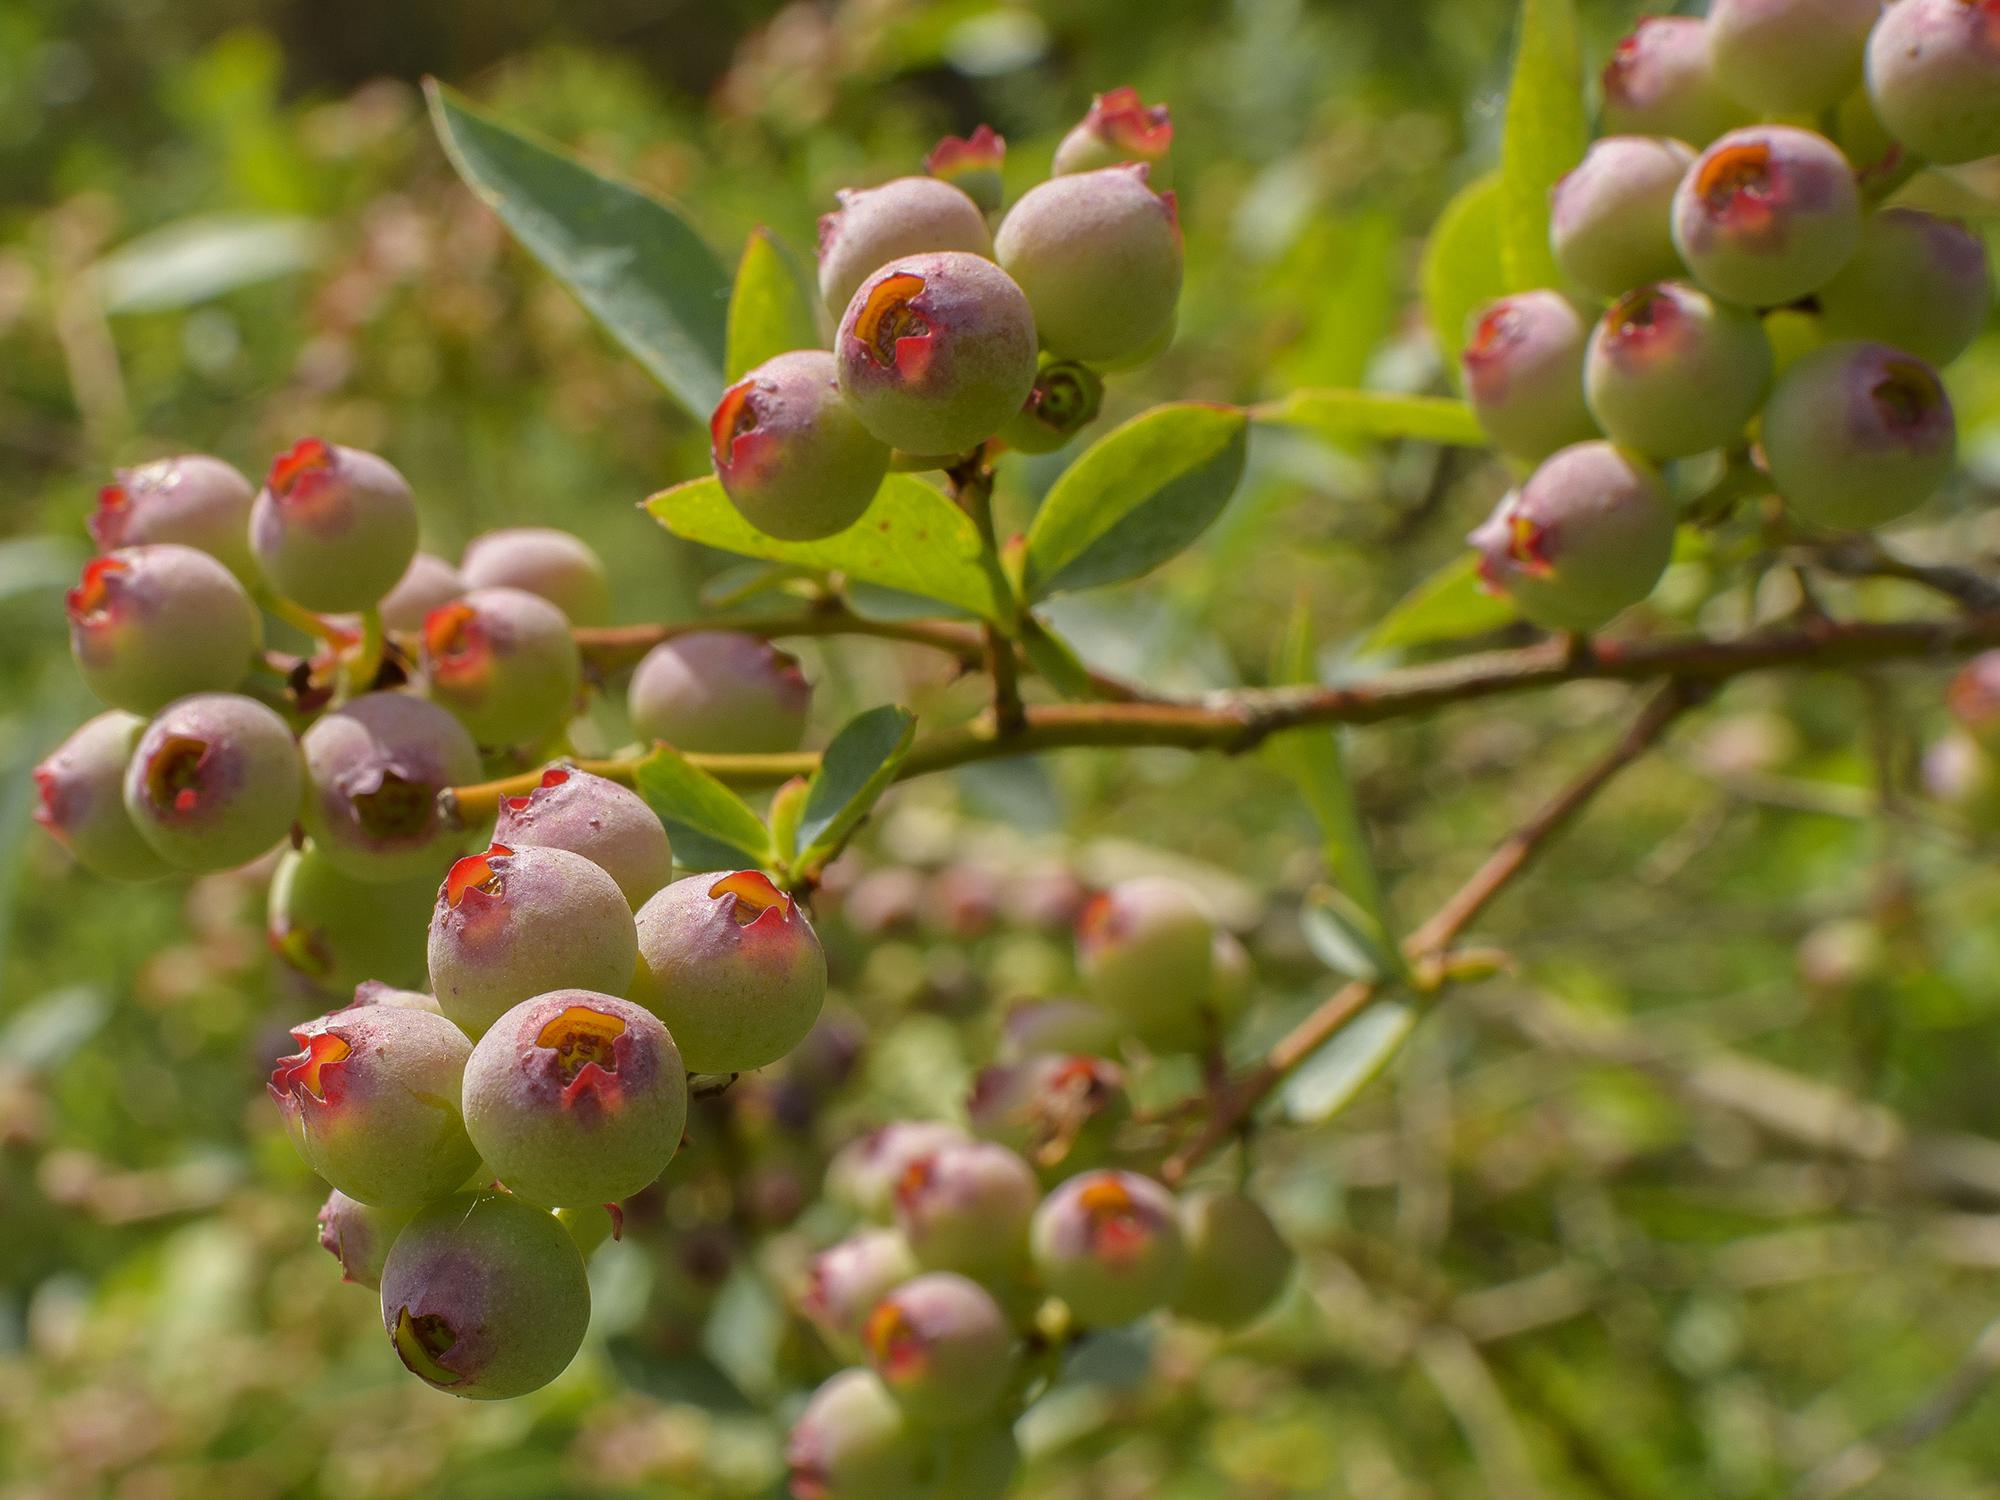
572, 982
951, 332
1703, 214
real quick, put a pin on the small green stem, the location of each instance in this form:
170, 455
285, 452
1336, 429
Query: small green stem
366, 662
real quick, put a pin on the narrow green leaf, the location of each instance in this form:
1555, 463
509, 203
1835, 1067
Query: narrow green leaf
788, 803
1137, 496
1545, 134
1344, 937
1327, 1082
1341, 415
1462, 270
1447, 606
631, 260
1316, 761
770, 311
855, 770
1054, 658
711, 827
910, 538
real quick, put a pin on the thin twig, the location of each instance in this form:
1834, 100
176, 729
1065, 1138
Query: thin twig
1864, 557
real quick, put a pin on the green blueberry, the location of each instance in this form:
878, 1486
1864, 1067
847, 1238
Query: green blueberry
1064, 400
791, 454
1917, 281
1611, 219
1237, 1263
846, 1280
339, 932
720, 692
214, 782
154, 623
1523, 370
1789, 57
853, 1441
374, 769
80, 799
557, 565
1146, 951
1671, 372
942, 1346
908, 216
333, 528
1109, 1244
609, 825
195, 500
1767, 215
1119, 128
359, 1236
504, 661
1934, 74
965, 1207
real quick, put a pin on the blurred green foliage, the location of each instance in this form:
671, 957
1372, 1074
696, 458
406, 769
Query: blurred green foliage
224, 223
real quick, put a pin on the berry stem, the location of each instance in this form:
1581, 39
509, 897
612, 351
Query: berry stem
366, 662
300, 618
972, 488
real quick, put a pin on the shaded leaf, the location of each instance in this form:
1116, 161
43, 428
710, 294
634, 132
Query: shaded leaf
1378, 414
635, 263
1325, 1083
1462, 270
1447, 606
1545, 134
711, 827
855, 770
196, 259
1344, 937
910, 538
1136, 497
770, 311
1054, 658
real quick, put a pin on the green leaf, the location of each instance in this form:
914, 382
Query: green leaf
1447, 606
787, 804
711, 827
1545, 134
1316, 761
1056, 660
770, 311
855, 770
1327, 1082
195, 260
1137, 496
1462, 270
1340, 415
631, 260
910, 538
1344, 937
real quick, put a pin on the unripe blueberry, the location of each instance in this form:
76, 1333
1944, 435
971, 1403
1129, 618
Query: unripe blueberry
195, 500
1146, 950
1058, 1025
609, 825
1660, 82
966, 1207
1974, 698
576, 1098
1119, 128
1672, 372
1961, 773
1099, 256
1767, 215
359, 1237
484, 1296
427, 582
972, 164
1857, 434
338, 931
1789, 57
845, 1281
733, 967
333, 528
1585, 538
214, 781
1109, 1244
149, 624
511, 924
378, 992
504, 661
873, 226
1523, 371
557, 565
791, 454
371, 1100
941, 1345
1235, 977
977, 1462
864, 1173
1917, 281
1057, 1111
374, 768
853, 1441
1611, 219
80, 799
1063, 401
720, 692
1934, 74
936, 352
1237, 1263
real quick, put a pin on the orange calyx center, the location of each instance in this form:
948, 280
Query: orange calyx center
1497, 332
174, 773
307, 1069
1527, 546
754, 893
422, 1342
452, 638
48, 792
735, 414
1735, 177
917, 1176
582, 1038
888, 320
1642, 315
92, 600
107, 522
1117, 1227
485, 873
293, 471
1907, 395
894, 1344
554, 776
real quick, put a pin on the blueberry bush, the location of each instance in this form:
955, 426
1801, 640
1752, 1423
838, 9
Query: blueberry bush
822, 1072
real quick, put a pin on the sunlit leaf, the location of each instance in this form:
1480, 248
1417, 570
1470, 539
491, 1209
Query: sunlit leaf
1325, 1083
1462, 270
856, 769
770, 309
1447, 606
711, 827
1545, 134
1343, 415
